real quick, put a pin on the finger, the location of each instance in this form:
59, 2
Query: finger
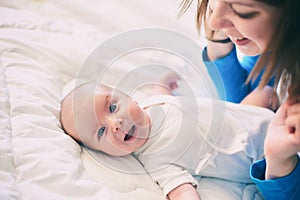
293, 123
295, 139
282, 111
293, 100
293, 109
292, 130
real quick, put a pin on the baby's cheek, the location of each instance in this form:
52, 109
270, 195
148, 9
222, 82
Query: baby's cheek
136, 114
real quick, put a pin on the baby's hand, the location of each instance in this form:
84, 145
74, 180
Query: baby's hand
168, 83
183, 192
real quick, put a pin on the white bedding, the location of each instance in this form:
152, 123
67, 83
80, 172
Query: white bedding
42, 45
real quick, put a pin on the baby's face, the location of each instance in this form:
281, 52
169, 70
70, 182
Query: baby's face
111, 122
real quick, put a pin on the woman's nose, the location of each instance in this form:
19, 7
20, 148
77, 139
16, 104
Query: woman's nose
220, 16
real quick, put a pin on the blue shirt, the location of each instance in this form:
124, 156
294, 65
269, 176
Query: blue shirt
229, 75
284, 188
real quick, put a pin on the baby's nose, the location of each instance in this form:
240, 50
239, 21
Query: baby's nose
115, 129
116, 125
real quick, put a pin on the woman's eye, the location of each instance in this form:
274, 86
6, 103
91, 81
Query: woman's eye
245, 14
101, 131
112, 107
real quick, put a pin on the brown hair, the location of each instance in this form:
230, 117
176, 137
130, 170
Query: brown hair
283, 61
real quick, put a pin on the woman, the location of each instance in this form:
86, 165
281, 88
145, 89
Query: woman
269, 28
220, 57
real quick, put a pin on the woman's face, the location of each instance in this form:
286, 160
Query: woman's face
249, 24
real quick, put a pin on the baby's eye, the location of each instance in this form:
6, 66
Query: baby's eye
112, 107
101, 131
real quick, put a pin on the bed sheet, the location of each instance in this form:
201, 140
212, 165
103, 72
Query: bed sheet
43, 45
38, 161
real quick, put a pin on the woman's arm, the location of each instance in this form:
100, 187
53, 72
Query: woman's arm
228, 76
286, 187
277, 176
222, 64
283, 141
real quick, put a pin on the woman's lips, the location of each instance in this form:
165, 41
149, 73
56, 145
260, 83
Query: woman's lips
240, 41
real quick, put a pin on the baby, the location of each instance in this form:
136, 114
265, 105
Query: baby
173, 137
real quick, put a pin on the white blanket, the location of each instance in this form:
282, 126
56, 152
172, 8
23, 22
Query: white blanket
42, 45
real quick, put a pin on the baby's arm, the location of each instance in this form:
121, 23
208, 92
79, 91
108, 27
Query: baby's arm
263, 97
183, 192
175, 181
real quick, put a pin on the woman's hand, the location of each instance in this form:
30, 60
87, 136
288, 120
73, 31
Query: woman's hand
264, 97
283, 141
216, 50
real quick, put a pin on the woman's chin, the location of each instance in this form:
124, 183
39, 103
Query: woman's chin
249, 50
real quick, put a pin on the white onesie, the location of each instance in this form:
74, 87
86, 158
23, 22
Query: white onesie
201, 136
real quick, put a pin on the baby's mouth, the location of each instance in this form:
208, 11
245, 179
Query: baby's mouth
130, 133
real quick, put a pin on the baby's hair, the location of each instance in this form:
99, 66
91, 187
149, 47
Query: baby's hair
67, 114
66, 104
